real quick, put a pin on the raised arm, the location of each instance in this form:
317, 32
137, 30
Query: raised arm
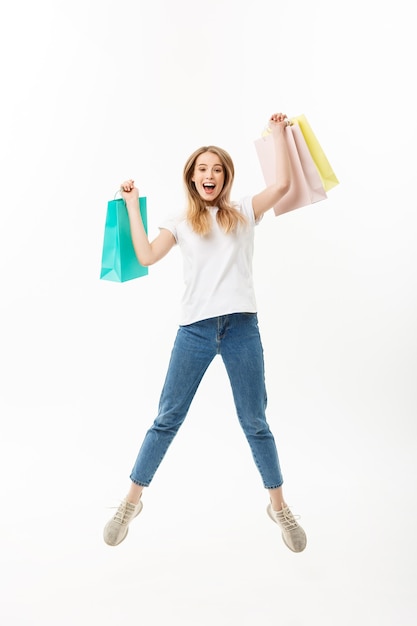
266, 199
147, 252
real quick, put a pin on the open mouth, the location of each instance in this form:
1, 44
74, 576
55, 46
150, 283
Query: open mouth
208, 187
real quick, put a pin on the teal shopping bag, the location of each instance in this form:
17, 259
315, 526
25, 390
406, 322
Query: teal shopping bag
119, 262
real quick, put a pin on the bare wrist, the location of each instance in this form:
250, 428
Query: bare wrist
132, 203
278, 130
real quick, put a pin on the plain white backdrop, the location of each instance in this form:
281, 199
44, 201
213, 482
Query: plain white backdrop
96, 92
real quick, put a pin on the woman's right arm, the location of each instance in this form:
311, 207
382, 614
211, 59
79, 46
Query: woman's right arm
147, 252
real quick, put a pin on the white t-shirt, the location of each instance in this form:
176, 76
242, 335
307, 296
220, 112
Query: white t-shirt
217, 267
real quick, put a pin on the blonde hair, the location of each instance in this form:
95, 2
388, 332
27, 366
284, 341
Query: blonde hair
198, 216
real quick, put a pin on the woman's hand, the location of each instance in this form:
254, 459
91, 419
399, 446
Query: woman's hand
278, 120
129, 191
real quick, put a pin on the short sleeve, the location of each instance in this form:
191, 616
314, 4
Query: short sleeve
247, 210
171, 224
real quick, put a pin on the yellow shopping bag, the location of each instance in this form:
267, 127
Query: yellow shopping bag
327, 175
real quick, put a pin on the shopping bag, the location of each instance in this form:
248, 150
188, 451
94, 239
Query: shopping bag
306, 186
327, 175
119, 262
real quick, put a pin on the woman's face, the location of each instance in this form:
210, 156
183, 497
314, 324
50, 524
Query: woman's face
208, 176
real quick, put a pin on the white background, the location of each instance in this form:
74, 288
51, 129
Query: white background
95, 92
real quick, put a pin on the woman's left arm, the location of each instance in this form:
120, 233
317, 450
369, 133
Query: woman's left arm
267, 198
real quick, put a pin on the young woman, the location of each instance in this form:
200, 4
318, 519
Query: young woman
218, 316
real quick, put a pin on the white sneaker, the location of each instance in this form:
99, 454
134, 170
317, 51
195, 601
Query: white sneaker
293, 535
116, 529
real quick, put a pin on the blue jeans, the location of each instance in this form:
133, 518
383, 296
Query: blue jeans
236, 338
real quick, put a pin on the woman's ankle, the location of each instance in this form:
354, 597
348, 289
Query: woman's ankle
134, 494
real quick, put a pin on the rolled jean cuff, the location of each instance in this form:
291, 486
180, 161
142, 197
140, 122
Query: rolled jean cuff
137, 482
275, 486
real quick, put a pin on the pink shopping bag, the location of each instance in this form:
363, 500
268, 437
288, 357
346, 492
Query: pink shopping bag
306, 186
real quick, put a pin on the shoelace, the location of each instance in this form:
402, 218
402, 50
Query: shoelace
124, 512
287, 520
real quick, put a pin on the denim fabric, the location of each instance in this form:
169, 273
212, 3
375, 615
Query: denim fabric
236, 339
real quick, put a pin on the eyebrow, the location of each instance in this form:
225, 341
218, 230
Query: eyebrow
205, 165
